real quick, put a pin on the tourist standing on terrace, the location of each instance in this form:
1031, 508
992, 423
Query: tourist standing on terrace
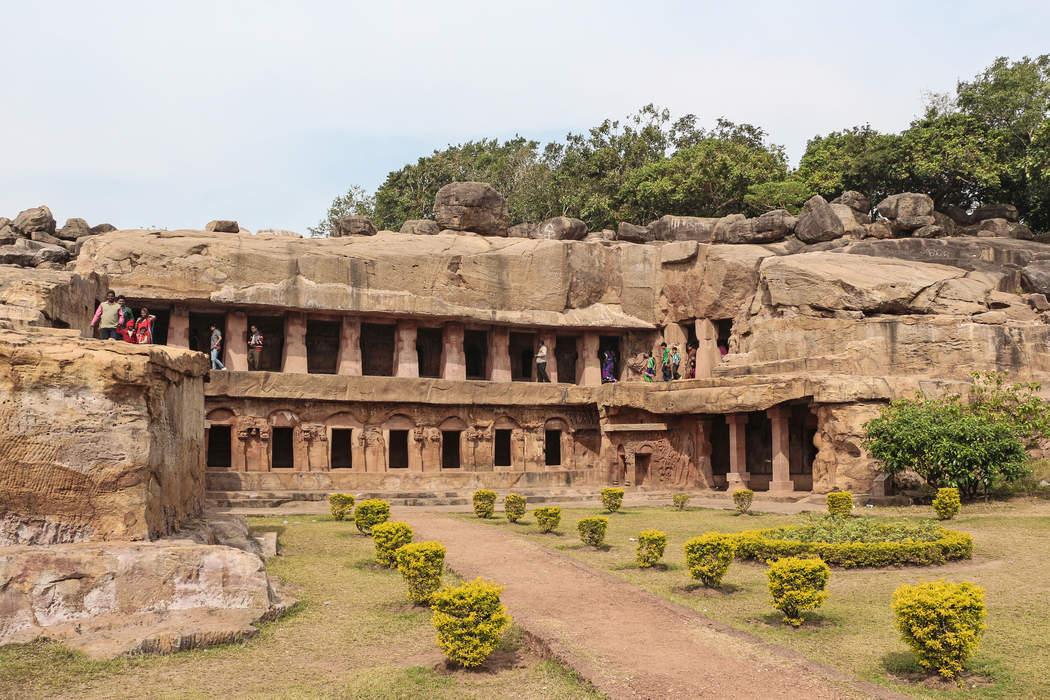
107, 317
541, 363
665, 362
608, 367
144, 327
255, 346
676, 360
216, 348
691, 353
650, 368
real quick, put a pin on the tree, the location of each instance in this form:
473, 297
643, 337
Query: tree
356, 202
782, 194
859, 158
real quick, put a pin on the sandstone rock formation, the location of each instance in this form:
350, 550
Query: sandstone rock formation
353, 226
560, 228
633, 233
35, 219
471, 206
421, 227
818, 222
74, 229
222, 226
48, 298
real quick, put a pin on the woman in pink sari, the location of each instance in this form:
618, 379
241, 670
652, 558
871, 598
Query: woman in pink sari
144, 327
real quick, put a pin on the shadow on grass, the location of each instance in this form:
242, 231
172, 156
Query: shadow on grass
812, 622
659, 566
902, 667
701, 591
369, 564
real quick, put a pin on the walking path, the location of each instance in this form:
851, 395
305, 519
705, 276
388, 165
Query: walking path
626, 641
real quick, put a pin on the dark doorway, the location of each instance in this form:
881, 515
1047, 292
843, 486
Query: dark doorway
272, 329
719, 449
342, 451
725, 329
611, 343
200, 333
429, 344
219, 446
641, 468
476, 348
450, 449
552, 448
501, 448
398, 458
377, 350
522, 349
759, 437
282, 455
160, 323
565, 350
322, 346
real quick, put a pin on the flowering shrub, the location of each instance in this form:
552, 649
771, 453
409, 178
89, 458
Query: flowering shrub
484, 503
341, 505
370, 513
840, 503
709, 556
942, 622
680, 500
389, 537
742, 499
592, 530
651, 544
797, 585
946, 504
421, 565
547, 518
612, 499
469, 621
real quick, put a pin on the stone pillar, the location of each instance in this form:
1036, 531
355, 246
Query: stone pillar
179, 328
350, 347
294, 344
237, 341
499, 355
738, 475
550, 339
778, 416
705, 475
406, 357
590, 366
453, 359
707, 355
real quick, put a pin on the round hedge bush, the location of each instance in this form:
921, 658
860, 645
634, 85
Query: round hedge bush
742, 499
797, 585
942, 622
388, 538
680, 500
469, 620
612, 499
709, 556
651, 545
547, 518
514, 506
341, 506
840, 503
592, 530
946, 504
484, 503
370, 513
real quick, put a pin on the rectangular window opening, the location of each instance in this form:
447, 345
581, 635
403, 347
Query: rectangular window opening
219, 446
377, 349
501, 447
282, 454
475, 350
450, 449
342, 452
429, 344
398, 449
552, 448
322, 346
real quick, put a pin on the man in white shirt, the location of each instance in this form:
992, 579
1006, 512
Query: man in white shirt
541, 363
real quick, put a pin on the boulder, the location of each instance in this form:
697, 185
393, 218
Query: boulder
905, 204
995, 211
722, 226
770, 227
561, 228
957, 214
1036, 277
284, 233
223, 226
818, 222
30, 253
35, 219
74, 229
929, 231
421, 227
683, 228
946, 223
1021, 232
633, 233
847, 216
471, 206
352, 226
904, 225
877, 229
45, 238
855, 201
102, 228
523, 230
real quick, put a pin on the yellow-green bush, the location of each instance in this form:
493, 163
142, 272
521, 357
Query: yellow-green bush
942, 622
514, 506
421, 565
341, 505
708, 557
797, 585
469, 621
840, 503
763, 545
484, 503
547, 518
946, 504
742, 499
612, 499
389, 537
592, 530
680, 500
651, 544
370, 513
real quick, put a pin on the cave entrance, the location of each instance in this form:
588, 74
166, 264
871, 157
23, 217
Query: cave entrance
220, 449
475, 350
200, 333
522, 352
566, 352
272, 329
610, 343
429, 344
322, 346
282, 455
377, 350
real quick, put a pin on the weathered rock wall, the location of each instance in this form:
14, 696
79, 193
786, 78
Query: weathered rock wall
48, 298
98, 440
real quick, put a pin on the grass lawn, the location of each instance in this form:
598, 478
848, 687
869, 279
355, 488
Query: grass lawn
354, 635
855, 630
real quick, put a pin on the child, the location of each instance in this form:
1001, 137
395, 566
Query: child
650, 368
676, 360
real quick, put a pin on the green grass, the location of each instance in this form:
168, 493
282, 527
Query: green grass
854, 631
353, 635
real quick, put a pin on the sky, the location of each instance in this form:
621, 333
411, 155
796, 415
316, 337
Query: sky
171, 114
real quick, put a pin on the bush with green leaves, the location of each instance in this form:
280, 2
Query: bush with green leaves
469, 620
797, 585
946, 504
742, 499
612, 499
942, 622
341, 505
840, 503
484, 503
651, 545
421, 564
514, 506
370, 513
547, 517
708, 557
592, 530
680, 500
388, 538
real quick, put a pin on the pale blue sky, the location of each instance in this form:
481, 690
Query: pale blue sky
170, 114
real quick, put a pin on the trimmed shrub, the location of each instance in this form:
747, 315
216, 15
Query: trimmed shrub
421, 565
651, 544
469, 621
484, 503
942, 622
389, 537
946, 504
709, 556
514, 506
370, 513
547, 518
840, 503
612, 499
680, 500
341, 505
742, 499
592, 530
797, 585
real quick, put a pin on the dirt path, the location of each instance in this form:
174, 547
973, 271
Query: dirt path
628, 642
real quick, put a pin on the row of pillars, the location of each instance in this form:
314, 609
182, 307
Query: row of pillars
738, 476
406, 360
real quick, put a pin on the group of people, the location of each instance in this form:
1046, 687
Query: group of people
670, 362
608, 365
255, 347
116, 321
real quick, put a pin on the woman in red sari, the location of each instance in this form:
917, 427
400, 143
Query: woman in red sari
144, 327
